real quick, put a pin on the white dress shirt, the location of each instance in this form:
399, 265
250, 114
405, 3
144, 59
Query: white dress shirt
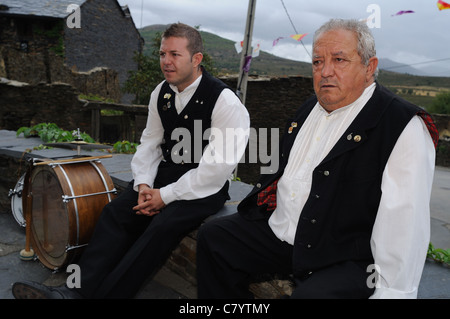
401, 232
215, 166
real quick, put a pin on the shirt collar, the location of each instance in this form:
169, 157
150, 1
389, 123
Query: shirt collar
365, 96
194, 85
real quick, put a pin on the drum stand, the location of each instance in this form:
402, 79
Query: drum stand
27, 253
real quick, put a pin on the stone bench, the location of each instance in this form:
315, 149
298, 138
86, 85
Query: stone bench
182, 261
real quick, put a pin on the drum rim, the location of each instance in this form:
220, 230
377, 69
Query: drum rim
41, 254
20, 218
70, 252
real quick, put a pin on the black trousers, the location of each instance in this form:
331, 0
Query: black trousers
233, 251
126, 248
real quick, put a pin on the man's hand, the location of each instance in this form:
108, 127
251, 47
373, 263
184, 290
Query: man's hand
149, 201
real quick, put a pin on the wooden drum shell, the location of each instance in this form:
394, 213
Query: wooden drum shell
66, 202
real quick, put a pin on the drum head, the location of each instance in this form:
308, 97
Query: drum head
16, 202
49, 219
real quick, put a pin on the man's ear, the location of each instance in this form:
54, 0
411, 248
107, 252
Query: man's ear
371, 68
197, 59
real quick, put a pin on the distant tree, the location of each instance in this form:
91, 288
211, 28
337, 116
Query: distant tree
440, 104
148, 75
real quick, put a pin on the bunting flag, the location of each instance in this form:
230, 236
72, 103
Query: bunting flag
443, 5
275, 42
297, 37
256, 50
247, 62
239, 45
402, 12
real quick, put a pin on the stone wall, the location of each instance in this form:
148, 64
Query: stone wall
35, 50
107, 38
270, 103
36, 68
27, 105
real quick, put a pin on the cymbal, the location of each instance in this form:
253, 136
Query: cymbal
78, 144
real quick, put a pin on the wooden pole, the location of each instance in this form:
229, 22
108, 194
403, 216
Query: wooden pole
246, 51
241, 89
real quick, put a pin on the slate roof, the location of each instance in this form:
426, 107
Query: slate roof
38, 8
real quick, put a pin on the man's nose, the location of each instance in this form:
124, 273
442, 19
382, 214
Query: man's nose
327, 69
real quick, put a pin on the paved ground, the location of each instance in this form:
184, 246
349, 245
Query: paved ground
435, 283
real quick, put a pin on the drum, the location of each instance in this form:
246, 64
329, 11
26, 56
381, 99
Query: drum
65, 202
16, 201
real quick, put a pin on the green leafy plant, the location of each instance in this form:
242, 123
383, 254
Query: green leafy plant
438, 254
125, 147
51, 133
440, 104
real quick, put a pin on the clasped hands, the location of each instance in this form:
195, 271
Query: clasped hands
149, 201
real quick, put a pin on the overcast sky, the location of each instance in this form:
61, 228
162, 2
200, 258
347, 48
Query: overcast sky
414, 38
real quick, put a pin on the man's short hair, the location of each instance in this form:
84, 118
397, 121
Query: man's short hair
366, 41
181, 30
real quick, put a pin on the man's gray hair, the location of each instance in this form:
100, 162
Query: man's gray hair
366, 41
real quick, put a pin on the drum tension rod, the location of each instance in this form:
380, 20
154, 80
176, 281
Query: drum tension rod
66, 198
68, 248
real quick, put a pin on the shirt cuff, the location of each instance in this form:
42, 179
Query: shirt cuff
389, 293
167, 194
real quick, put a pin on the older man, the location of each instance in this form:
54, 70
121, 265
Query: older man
347, 213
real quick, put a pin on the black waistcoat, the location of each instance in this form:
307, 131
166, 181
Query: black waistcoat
336, 222
184, 133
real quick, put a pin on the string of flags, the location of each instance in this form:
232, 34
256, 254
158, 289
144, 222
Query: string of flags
402, 12
240, 44
442, 5
256, 48
297, 37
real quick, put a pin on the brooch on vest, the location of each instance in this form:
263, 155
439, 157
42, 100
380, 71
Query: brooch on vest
167, 96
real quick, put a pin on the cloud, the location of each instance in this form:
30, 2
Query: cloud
404, 39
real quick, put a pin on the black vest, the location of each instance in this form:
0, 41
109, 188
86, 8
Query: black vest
184, 134
336, 222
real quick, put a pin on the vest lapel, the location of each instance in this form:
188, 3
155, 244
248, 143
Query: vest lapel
356, 135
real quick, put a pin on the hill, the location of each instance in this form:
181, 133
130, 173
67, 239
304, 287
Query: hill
227, 60
417, 89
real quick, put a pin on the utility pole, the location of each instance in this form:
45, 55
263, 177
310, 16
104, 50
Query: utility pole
246, 51
246, 56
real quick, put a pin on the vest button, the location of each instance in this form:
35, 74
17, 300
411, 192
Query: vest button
313, 221
258, 185
308, 246
326, 173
